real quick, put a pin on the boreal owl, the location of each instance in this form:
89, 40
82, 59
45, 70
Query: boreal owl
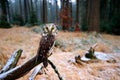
47, 42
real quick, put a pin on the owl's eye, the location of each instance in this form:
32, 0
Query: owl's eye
52, 29
47, 28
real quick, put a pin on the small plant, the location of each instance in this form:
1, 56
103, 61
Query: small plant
37, 29
58, 43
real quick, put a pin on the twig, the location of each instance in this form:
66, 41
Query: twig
55, 69
95, 45
12, 61
35, 72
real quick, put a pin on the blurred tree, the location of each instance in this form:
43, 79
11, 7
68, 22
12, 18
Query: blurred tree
77, 26
110, 16
82, 14
115, 16
56, 20
33, 16
20, 6
18, 17
65, 15
44, 12
93, 8
3, 19
26, 10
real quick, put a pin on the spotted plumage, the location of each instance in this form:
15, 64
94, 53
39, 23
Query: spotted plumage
47, 42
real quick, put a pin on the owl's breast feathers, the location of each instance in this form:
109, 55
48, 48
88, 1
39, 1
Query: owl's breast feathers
45, 45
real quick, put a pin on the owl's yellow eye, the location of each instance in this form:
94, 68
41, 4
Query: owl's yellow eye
52, 29
47, 28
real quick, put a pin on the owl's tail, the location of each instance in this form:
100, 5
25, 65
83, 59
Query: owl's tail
45, 62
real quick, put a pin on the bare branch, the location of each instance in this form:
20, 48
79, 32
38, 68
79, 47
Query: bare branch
21, 70
35, 72
12, 61
55, 69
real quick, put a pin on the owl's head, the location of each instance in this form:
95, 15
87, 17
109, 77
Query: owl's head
50, 29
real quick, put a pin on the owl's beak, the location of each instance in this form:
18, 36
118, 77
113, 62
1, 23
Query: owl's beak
50, 32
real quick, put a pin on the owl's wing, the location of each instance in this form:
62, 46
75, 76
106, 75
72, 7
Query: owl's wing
45, 44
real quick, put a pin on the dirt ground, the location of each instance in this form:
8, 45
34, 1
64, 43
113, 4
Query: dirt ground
68, 45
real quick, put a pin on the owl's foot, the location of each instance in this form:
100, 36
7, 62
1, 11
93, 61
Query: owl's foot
45, 64
44, 70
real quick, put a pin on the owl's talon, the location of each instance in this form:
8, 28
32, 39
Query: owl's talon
44, 70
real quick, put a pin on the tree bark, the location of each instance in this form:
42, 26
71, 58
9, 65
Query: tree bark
93, 15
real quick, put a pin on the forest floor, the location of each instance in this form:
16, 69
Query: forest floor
68, 45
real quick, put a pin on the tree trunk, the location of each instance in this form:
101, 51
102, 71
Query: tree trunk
20, 6
25, 11
4, 22
21, 12
4, 9
93, 15
77, 27
44, 11
31, 4
77, 11
56, 20
65, 15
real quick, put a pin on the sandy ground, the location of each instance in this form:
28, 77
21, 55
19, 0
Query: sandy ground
69, 45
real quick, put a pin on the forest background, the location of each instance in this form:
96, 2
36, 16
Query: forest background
71, 15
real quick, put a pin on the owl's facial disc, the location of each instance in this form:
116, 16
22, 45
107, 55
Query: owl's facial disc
50, 29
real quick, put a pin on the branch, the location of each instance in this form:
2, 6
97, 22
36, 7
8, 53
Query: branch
35, 72
12, 61
38, 68
55, 69
21, 70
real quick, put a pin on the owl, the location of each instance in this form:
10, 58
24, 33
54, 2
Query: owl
47, 42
